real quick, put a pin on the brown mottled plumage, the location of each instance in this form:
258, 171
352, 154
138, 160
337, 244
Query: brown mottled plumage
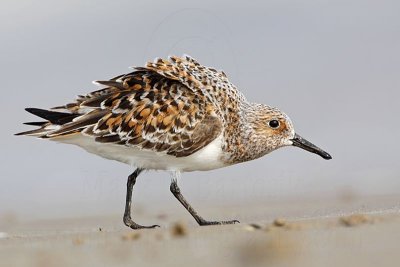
160, 107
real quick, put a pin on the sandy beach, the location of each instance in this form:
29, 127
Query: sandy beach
362, 231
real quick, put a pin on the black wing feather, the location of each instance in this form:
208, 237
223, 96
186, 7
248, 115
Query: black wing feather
54, 117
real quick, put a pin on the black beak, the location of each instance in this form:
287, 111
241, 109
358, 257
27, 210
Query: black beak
304, 144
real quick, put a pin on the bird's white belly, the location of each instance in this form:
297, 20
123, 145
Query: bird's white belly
207, 158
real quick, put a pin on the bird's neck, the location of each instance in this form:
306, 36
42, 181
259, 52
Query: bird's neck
244, 142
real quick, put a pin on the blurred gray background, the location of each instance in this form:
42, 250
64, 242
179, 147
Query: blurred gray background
332, 66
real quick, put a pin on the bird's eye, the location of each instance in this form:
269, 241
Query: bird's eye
273, 124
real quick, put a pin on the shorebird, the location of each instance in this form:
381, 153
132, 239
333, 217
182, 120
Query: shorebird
172, 114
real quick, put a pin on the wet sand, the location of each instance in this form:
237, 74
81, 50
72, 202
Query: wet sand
362, 231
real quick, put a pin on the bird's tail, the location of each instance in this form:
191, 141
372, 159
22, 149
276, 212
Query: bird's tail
53, 121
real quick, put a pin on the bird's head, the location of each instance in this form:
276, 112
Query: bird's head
276, 130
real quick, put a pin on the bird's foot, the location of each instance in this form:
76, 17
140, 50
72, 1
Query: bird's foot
128, 222
204, 222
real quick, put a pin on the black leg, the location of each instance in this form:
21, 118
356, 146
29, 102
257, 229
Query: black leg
127, 215
177, 193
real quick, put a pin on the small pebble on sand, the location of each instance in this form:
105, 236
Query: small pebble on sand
355, 219
179, 229
279, 222
251, 227
255, 226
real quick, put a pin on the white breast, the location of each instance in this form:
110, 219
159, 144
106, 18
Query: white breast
208, 158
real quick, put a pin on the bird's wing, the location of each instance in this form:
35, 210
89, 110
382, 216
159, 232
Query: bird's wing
148, 110
214, 85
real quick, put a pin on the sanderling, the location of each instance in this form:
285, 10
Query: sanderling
175, 115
